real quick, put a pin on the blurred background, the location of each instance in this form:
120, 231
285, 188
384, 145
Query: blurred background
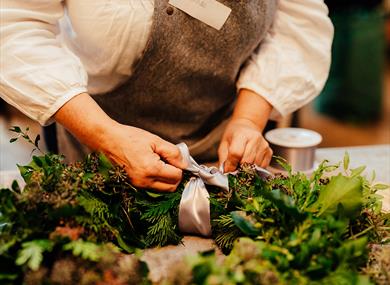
352, 110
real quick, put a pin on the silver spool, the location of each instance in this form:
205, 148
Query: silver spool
296, 145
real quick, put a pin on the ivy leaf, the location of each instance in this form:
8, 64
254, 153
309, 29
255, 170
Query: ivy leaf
32, 252
341, 192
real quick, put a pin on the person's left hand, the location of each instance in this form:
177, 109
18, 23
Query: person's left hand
243, 142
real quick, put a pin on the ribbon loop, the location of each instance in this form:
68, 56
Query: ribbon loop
194, 208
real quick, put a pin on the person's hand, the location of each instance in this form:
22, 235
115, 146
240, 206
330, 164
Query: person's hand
243, 142
149, 161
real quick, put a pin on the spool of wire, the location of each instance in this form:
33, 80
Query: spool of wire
296, 145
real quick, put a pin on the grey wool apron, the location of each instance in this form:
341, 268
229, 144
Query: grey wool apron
183, 88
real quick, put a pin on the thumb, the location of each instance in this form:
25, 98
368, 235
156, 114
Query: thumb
170, 153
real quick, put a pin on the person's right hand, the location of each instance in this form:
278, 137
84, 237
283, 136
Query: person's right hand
149, 161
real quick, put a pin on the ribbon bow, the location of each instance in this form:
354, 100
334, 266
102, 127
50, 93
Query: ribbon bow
194, 208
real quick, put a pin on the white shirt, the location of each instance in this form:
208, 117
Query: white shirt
53, 50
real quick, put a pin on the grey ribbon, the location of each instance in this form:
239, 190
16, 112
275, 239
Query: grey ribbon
194, 208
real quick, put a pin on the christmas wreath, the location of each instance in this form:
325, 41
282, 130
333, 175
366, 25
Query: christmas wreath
84, 223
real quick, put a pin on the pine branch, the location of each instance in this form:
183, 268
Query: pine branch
162, 232
225, 232
159, 208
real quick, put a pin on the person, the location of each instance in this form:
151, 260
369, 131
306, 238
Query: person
133, 78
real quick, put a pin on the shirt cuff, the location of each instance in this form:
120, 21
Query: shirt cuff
47, 118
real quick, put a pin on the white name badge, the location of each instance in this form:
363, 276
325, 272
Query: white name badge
210, 12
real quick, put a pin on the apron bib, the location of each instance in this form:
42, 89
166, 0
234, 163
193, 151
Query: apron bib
183, 87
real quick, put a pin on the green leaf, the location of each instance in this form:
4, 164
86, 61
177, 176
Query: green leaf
104, 161
346, 161
38, 160
283, 202
8, 276
25, 172
373, 176
154, 194
283, 163
104, 165
341, 191
37, 139
48, 160
15, 129
15, 186
4, 247
352, 248
124, 245
13, 140
363, 280
32, 253
380, 186
85, 249
245, 223
5, 276
357, 171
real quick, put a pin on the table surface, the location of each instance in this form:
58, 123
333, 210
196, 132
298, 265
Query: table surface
375, 158
160, 260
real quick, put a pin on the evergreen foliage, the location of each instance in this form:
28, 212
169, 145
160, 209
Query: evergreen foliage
80, 220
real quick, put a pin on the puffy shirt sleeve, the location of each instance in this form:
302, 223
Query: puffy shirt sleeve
37, 74
292, 63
